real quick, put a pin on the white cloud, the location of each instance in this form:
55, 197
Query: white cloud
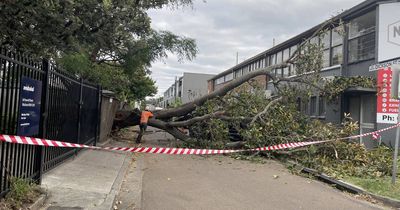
223, 27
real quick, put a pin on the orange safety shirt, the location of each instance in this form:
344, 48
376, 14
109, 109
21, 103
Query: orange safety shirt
144, 118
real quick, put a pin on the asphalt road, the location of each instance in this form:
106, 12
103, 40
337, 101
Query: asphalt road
220, 182
193, 182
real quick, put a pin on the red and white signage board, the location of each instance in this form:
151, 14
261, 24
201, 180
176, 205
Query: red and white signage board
387, 108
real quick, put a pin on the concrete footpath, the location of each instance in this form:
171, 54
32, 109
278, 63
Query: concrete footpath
89, 181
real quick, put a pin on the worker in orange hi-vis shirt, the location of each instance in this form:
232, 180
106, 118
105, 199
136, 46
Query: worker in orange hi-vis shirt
144, 118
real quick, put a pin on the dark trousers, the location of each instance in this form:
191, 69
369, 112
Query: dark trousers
143, 127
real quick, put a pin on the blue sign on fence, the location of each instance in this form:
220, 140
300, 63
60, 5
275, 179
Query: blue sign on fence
29, 107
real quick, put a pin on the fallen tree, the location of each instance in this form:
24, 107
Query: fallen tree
307, 62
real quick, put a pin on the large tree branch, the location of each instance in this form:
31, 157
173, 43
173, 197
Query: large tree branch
191, 106
270, 104
171, 130
194, 120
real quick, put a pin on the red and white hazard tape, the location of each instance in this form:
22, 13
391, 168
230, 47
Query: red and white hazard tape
173, 151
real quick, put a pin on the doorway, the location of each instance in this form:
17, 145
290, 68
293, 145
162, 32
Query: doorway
362, 108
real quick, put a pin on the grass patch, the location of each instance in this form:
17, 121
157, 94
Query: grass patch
378, 186
22, 192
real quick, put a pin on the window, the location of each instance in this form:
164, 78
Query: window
362, 37
321, 106
362, 25
279, 57
278, 72
326, 44
245, 70
337, 55
337, 38
293, 49
273, 60
285, 72
286, 54
229, 77
238, 73
220, 80
325, 58
362, 48
337, 46
292, 67
326, 40
313, 106
266, 61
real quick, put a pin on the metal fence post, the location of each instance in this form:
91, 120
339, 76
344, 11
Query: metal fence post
98, 123
80, 103
44, 115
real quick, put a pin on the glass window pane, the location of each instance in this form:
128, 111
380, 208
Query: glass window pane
337, 55
273, 60
220, 80
313, 106
228, 77
279, 57
238, 73
292, 69
292, 49
326, 39
362, 48
321, 106
286, 72
325, 58
286, 54
266, 61
278, 72
362, 25
245, 70
337, 38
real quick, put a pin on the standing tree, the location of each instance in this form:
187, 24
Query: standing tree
110, 37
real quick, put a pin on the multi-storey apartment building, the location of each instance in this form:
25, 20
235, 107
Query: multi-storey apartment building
371, 40
186, 88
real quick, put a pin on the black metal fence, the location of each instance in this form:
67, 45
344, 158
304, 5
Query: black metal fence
70, 111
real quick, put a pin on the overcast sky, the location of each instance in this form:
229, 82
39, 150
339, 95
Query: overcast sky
223, 27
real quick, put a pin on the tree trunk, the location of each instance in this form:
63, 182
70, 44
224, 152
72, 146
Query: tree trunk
191, 106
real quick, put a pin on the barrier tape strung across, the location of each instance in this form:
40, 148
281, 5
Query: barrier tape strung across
173, 151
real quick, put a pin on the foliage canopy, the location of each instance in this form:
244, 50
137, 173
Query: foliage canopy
102, 36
